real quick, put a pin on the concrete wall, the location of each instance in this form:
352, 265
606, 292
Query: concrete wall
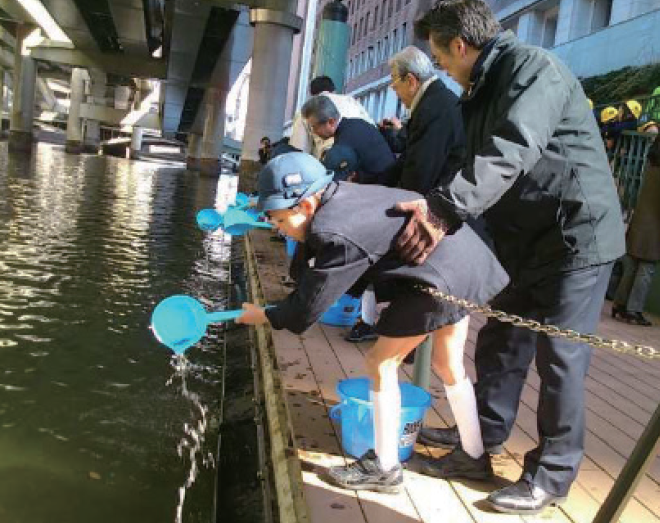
632, 43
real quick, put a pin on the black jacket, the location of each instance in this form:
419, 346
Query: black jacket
373, 153
434, 145
351, 241
535, 166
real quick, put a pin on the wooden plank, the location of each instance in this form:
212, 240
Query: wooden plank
327, 363
470, 493
291, 504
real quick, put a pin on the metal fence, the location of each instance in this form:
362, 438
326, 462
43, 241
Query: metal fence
628, 162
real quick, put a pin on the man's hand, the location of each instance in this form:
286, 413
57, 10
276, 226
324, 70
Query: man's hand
396, 123
422, 233
253, 315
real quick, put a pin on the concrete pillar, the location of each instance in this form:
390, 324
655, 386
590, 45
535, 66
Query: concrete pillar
573, 21
92, 140
122, 96
530, 27
74, 143
2, 89
194, 151
3, 101
214, 131
22, 111
136, 142
271, 59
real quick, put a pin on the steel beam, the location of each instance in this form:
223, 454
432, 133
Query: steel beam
137, 67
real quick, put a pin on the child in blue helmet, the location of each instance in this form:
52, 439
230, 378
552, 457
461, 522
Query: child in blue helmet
349, 230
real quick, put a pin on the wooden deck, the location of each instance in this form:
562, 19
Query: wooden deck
622, 393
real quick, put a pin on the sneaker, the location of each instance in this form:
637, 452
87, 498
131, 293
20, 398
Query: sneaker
459, 464
361, 331
367, 474
448, 439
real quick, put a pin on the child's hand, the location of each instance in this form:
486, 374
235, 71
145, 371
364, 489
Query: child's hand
253, 315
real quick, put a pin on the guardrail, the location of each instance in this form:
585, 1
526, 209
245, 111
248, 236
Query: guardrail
628, 162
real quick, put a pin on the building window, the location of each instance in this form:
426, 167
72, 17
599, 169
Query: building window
366, 24
549, 28
382, 13
398, 5
370, 57
375, 18
386, 48
379, 50
390, 8
602, 13
354, 33
361, 28
395, 42
404, 35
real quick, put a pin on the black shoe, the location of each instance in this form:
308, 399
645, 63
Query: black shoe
640, 319
522, 498
449, 439
361, 331
459, 464
367, 474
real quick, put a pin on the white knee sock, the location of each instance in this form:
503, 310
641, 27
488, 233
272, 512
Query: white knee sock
464, 407
368, 313
387, 418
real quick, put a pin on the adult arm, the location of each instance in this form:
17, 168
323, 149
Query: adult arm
528, 114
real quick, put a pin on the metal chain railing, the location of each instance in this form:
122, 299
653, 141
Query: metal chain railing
551, 330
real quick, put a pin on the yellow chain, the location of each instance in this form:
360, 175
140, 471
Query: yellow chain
551, 330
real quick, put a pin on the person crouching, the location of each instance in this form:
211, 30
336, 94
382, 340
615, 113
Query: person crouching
350, 231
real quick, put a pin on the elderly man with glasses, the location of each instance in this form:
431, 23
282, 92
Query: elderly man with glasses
434, 139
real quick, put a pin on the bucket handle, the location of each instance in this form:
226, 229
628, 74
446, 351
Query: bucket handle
335, 412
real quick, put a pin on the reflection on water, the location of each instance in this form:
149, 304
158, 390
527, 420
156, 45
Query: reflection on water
88, 426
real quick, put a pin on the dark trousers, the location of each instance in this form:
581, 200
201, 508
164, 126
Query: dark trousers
570, 300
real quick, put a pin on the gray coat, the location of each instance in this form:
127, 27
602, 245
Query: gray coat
535, 167
351, 238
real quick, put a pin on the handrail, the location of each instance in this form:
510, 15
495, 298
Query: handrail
628, 164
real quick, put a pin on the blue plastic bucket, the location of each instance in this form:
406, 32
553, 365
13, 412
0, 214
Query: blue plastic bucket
355, 413
343, 313
290, 246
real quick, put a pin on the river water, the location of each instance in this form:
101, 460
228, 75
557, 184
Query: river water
89, 427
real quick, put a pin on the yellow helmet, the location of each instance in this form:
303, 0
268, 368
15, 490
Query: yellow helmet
647, 126
635, 107
607, 114
591, 104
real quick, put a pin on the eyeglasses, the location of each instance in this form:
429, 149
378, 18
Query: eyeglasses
396, 79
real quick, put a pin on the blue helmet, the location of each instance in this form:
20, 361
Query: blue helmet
342, 160
289, 178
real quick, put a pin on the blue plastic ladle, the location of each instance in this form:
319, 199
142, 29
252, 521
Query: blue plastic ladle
238, 222
209, 220
180, 321
212, 220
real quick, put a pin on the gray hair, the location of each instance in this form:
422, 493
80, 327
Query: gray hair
321, 108
411, 60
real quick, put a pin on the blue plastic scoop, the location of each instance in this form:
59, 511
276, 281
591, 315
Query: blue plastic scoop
180, 321
238, 222
209, 220
212, 220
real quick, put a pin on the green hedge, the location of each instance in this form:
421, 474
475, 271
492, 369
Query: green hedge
622, 84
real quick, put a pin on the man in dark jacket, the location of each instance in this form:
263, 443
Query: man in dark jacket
373, 153
537, 171
434, 134
374, 159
